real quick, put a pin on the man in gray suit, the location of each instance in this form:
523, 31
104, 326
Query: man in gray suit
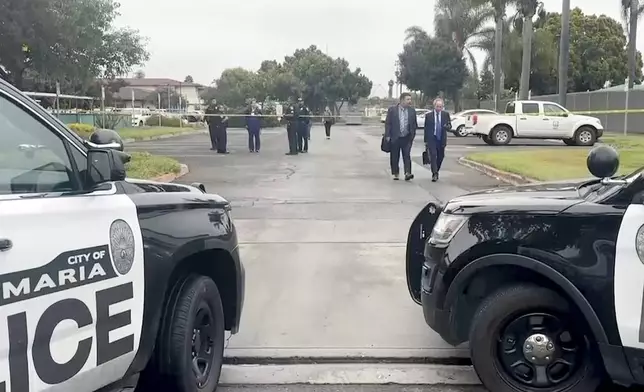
437, 123
400, 130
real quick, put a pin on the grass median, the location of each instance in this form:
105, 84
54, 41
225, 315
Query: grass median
553, 164
144, 165
85, 130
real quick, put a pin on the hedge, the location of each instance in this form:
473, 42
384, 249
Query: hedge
153, 121
82, 130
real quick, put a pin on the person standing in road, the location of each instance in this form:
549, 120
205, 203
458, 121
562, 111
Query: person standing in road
212, 126
222, 132
328, 122
303, 124
437, 123
253, 125
291, 116
400, 130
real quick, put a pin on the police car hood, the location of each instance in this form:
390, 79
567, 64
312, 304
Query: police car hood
537, 198
138, 186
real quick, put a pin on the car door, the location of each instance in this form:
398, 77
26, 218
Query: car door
629, 277
71, 261
559, 123
530, 123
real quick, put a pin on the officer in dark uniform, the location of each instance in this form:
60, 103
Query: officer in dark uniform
291, 114
303, 126
212, 131
217, 127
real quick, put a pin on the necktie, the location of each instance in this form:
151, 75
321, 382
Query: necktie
438, 125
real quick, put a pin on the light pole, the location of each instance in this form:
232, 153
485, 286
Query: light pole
564, 49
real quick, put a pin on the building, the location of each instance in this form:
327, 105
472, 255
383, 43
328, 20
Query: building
142, 89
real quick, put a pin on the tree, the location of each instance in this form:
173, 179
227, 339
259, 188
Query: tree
140, 74
462, 21
528, 9
564, 52
188, 79
433, 66
70, 41
631, 11
318, 78
486, 84
597, 50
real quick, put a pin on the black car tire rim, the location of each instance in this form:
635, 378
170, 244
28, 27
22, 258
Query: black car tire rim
539, 350
203, 353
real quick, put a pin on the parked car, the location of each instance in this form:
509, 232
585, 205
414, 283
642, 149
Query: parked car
460, 119
537, 120
420, 117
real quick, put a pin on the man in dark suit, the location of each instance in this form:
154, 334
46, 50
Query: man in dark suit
437, 124
400, 130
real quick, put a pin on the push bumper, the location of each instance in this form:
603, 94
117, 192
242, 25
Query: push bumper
432, 297
240, 274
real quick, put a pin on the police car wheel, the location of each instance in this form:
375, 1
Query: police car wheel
526, 338
194, 345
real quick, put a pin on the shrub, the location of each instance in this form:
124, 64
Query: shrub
153, 121
112, 121
82, 130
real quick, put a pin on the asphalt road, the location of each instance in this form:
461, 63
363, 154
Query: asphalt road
323, 239
349, 388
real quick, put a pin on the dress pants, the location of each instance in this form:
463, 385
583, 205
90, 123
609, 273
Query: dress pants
436, 153
401, 146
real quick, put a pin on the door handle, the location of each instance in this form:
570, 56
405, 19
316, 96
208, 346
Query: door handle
546, 119
5, 244
523, 118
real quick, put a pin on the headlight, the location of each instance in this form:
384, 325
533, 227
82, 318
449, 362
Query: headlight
446, 227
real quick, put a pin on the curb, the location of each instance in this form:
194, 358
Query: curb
342, 374
173, 176
501, 175
127, 141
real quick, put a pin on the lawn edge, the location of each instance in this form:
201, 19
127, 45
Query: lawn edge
130, 140
501, 175
169, 177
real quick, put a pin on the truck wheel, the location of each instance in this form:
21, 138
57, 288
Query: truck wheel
487, 140
569, 142
501, 135
193, 345
585, 136
527, 337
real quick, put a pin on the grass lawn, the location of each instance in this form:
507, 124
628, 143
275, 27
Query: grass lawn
142, 133
145, 165
552, 164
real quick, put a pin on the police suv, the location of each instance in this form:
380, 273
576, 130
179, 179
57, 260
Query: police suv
544, 281
106, 282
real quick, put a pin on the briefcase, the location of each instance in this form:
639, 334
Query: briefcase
426, 160
385, 145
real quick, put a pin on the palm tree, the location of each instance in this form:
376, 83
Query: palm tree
527, 9
487, 44
564, 52
463, 21
631, 11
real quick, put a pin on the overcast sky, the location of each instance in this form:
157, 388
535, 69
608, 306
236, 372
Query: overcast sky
203, 37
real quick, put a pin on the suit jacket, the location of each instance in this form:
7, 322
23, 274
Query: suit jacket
392, 122
430, 126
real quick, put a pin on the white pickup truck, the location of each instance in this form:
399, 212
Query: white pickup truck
536, 120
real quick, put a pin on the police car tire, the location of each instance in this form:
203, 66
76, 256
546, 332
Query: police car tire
176, 347
495, 310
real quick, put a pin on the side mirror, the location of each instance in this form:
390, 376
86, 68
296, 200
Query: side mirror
565, 115
105, 139
104, 166
603, 161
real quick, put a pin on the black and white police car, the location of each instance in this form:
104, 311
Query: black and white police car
544, 281
106, 282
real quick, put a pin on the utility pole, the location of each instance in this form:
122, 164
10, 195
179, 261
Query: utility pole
564, 50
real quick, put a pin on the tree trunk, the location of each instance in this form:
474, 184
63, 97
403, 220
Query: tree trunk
564, 52
632, 43
498, 63
524, 86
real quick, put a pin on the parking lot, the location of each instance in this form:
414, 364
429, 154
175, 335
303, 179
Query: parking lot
323, 241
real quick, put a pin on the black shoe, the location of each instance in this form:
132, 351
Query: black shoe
213, 149
434, 177
291, 153
223, 152
305, 151
396, 177
409, 177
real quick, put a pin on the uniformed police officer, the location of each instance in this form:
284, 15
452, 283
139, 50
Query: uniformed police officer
303, 126
219, 127
291, 115
210, 111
